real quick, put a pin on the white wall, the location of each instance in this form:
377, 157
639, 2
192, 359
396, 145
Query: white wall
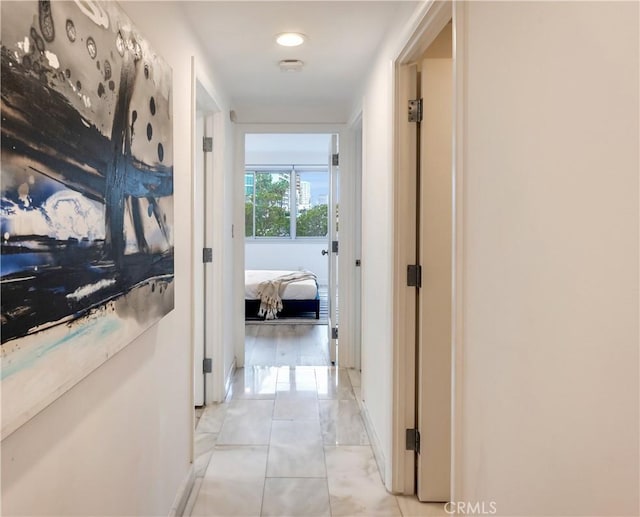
377, 258
288, 149
286, 114
119, 442
291, 255
377, 243
549, 378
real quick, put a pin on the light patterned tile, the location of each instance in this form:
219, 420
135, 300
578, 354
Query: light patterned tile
296, 460
236, 462
295, 497
248, 422
286, 344
298, 377
260, 354
201, 462
341, 423
233, 483
296, 450
288, 412
286, 391
296, 409
203, 443
241, 498
212, 418
284, 432
287, 353
355, 486
254, 382
333, 383
313, 359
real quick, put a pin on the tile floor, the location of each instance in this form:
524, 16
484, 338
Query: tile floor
286, 344
290, 441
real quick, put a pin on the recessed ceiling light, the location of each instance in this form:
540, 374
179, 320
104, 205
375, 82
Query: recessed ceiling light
290, 39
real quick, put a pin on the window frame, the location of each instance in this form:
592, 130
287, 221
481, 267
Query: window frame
292, 170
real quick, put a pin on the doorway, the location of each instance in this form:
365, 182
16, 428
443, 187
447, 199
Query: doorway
434, 238
203, 231
211, 256
345, 355
289, 222
424, 263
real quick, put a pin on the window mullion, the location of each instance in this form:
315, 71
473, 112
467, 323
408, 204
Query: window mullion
293, 203
255, 185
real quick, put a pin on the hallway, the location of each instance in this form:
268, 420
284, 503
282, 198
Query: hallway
538, 379
290, 440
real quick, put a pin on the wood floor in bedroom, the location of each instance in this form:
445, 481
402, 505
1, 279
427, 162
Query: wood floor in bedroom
290, 440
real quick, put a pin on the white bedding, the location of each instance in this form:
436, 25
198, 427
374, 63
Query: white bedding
304, 290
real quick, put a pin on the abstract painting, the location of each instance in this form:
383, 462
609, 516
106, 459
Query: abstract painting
86, 227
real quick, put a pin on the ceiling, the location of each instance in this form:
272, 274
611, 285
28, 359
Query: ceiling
342, 40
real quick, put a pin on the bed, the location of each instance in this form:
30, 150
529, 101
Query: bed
299, 299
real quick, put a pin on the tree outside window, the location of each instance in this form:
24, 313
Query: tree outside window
312, 193
272, 210
269, 210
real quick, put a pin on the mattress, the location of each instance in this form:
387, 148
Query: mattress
303, 290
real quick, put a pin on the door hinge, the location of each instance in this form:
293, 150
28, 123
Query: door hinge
207, 365
412, 440
414, 275
207, 255
415, 110
334, 332
207, 144
334, 246
335, 159
358, 263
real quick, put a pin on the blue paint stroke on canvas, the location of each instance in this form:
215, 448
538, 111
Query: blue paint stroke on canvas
87, 176
95, 330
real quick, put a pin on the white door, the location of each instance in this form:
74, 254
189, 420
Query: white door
203, 275
199, 270
334, 193
434, 251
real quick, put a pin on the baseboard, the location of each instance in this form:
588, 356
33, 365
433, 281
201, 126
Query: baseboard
191, 502
375, 441
182, 496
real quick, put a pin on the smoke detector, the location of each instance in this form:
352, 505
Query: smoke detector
291, 65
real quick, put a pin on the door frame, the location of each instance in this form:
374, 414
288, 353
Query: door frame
333, 235
355, 182
203, 100
347, 251
433, 19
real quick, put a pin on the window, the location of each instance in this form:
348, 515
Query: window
269, 210
312, 214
